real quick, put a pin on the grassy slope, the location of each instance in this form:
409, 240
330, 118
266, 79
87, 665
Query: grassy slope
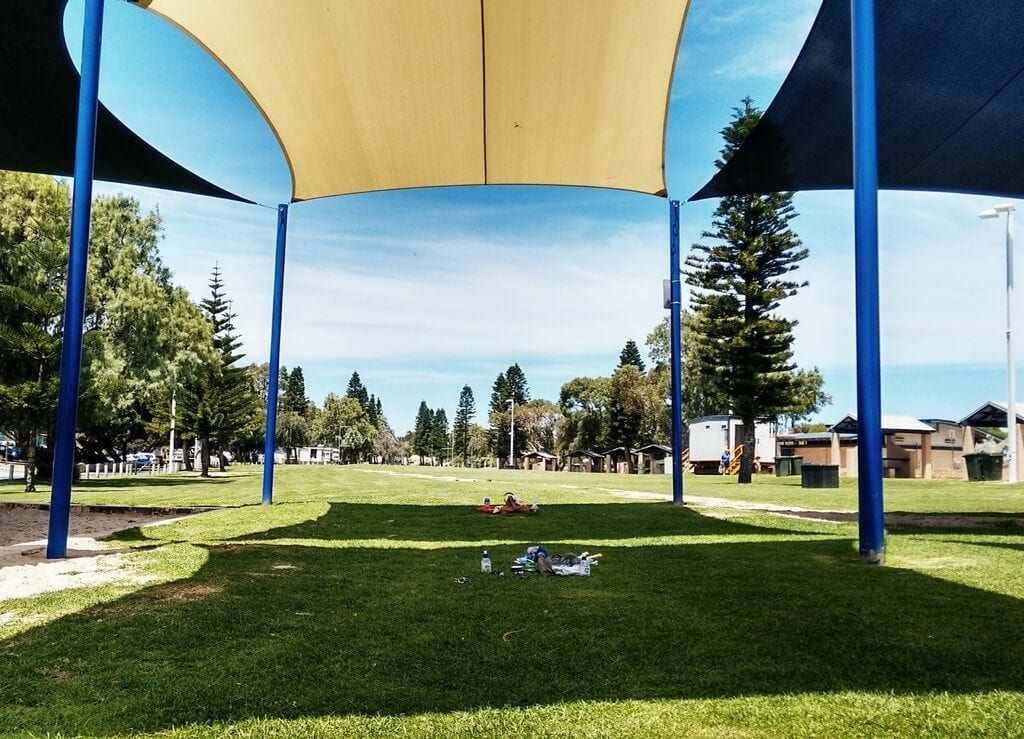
337, 612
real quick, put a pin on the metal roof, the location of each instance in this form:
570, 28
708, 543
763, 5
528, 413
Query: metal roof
891, 424
993, 414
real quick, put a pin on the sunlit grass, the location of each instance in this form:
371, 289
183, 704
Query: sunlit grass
338, 612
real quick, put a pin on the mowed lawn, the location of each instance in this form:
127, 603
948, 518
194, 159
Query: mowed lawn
338, 611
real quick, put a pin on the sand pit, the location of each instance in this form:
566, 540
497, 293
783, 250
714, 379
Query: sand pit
24, 569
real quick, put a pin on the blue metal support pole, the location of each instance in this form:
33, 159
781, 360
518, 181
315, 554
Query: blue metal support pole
269, 443
675, 344
865, 194
74, 297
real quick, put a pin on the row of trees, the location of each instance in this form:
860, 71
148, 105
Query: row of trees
143, 337
146, 347
354, 423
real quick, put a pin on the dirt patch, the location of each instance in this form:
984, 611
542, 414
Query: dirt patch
190, 592
58, 673
25, 571
637, 494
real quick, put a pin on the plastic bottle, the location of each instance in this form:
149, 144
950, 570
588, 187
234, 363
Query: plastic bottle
485, 562
585, 566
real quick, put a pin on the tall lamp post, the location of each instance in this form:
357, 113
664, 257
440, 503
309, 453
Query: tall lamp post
1011, 381
512, 434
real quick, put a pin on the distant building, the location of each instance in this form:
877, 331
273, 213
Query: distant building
317, 455
619, 460
539, 461
993, 415
654, 459
584, 460
710, 436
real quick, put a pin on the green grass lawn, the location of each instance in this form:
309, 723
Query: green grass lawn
337, 612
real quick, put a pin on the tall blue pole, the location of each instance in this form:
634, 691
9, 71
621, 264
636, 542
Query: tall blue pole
269, 443
865, 194
74, 297
675, 344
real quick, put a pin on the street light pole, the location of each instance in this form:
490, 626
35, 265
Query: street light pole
1011, 371
174, 415
512, 434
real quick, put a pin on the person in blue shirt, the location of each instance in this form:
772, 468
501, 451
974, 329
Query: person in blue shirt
723, 463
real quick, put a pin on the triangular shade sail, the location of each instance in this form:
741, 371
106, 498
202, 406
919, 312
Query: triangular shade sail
368, 95
38, 109
950, 95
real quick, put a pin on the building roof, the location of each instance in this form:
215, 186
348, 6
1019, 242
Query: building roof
585, 453
815, 436
714, 417
993, 414
622, 449
542, 455
655, 447
891, 424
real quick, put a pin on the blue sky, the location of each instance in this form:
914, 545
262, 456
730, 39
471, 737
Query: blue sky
423, 291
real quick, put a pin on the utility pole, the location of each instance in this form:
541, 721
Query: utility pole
512, 434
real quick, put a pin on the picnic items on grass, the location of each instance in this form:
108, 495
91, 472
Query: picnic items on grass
536, 559
512, 504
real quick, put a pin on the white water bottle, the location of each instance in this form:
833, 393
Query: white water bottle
485, 562
585, 566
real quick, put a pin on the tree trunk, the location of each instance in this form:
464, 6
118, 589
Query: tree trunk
223, 460
30, 463
204, 456
747, 458
186, 458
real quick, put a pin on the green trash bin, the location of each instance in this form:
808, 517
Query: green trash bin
786, 466
991, 466
973, 467
982, 466
819, 476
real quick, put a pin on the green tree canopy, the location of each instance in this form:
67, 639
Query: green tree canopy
463, 418
630, 354
739, 281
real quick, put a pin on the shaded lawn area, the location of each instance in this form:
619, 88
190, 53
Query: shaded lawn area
321, 617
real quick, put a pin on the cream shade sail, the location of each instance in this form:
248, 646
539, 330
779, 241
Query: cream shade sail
368, 95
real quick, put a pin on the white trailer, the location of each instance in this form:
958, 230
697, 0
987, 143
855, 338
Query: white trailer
710, 436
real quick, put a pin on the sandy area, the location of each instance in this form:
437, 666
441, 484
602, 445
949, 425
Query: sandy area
24, 569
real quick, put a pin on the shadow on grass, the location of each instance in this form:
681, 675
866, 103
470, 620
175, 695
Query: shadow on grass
566, 522
995, 522
293, 631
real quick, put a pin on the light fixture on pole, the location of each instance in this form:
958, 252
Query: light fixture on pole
512, 433
1011, 382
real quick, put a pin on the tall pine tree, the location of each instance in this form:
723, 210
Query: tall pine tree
295, 399
217, 404
460, 426
421, 435
439, 434
357, 390
517, 387
740, 280
631, 355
